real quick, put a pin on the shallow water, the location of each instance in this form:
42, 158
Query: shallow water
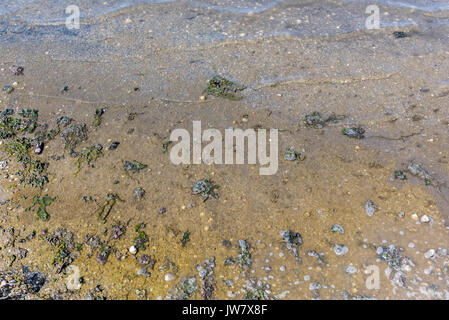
294, 57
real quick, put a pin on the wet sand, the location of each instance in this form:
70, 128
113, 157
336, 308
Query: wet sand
294, 59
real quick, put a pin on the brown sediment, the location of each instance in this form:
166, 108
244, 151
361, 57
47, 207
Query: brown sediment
330, 186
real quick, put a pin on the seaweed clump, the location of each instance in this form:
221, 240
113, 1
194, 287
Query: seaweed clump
97, 118
33, 170
391, 256
257, 290
206, 274
244, 256
165, 146
64, 243
42, 203
315, 119
205, 188
103, 255
185, 238
34, 280
417, 169
355, 132
10, 126
400, 34
186, 289
104, 211
133, 166
293, 240
398, 174
141, 238
89, 155
292, 155
74, 135
219, 86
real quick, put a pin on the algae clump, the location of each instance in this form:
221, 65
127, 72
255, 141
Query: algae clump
219, 86
41, 203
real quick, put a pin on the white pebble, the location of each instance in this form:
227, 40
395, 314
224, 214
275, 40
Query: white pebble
429, 254
169, 277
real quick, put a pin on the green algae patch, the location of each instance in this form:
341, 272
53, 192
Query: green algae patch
141, 238
46, 135
89, 155
41, 203
33, 170
104, 211
398, 174
165, 146
19, 149
244, 257
98, 117
185, 238
219, 86
6, 132
74, 135
316, 120
292, 155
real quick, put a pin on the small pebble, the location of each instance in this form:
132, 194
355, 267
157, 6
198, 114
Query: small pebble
429, 254
370, 208
351, 269
144, 272
132, 250
169, 277
340, 249
314, 286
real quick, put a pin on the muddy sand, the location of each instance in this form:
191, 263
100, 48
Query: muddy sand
87, 218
